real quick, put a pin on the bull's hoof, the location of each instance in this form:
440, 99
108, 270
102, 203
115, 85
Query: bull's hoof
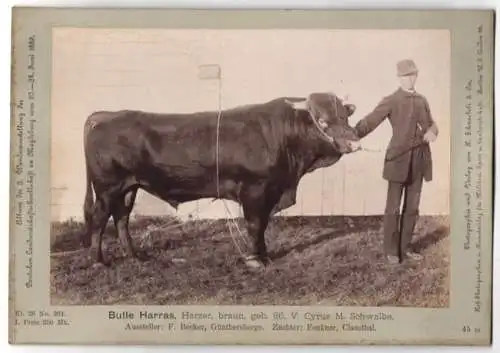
101, 264
98, 264
254, 262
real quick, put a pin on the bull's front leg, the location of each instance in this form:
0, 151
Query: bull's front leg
257, 206
256, 227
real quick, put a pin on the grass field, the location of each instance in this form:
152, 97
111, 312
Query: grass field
315, 260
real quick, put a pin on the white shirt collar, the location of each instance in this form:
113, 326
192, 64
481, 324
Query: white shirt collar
409, 90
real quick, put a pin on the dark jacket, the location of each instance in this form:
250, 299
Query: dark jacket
410, 118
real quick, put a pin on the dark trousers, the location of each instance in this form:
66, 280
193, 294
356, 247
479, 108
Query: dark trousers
398, 228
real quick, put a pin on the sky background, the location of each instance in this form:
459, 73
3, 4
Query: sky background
157, 70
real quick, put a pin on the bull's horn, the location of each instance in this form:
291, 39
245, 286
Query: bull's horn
345, 97
302, 105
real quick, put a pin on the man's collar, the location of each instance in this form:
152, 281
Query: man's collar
408, 92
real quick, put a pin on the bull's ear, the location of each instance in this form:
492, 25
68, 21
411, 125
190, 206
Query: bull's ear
300, 105
351, 108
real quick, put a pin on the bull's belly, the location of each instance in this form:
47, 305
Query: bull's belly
176, 189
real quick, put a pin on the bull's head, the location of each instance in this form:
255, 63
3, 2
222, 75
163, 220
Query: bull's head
331, 115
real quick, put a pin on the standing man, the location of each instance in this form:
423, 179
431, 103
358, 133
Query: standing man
408, 158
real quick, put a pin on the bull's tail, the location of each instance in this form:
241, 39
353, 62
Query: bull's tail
87, 211
89, 197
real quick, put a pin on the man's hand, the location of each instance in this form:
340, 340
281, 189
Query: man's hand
430, 136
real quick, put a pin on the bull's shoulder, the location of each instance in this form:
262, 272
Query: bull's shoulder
253, 111
266, 105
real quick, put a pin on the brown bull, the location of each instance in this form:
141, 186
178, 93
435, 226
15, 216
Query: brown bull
263, 152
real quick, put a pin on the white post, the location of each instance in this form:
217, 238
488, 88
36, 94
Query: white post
213, 72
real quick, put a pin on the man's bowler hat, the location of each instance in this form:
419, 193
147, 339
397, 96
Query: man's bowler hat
406, 67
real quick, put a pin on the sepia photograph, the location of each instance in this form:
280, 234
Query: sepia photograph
251, 177
250, 167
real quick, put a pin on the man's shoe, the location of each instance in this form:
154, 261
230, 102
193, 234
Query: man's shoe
414, 256
393, 260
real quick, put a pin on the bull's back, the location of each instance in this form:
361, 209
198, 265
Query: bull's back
128, 139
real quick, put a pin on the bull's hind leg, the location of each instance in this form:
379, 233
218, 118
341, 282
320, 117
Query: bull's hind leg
100, 216
121, 215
